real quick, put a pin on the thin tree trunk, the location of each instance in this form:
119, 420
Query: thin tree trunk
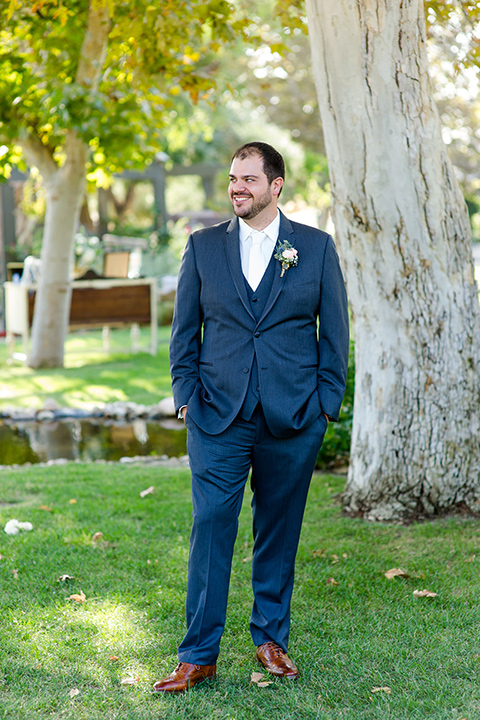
404, 238
64, 194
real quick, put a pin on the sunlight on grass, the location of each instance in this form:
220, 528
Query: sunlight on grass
88, 378
92, 634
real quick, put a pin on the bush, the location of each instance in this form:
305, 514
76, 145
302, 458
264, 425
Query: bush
335, 450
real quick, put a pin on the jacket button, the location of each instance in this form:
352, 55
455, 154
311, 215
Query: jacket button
257, 334
245, 370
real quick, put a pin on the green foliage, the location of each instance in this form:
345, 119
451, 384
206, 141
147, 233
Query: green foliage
159, 59
335, 449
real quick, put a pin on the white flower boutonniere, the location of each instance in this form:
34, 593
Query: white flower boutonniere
287, 255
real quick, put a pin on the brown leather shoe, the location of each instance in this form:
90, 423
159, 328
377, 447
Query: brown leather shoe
276, 661
185, 676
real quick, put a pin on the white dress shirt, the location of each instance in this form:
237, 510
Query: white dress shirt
268, 244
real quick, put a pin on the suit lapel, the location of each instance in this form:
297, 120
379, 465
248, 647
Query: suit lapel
235, 264
232, 249
285, 233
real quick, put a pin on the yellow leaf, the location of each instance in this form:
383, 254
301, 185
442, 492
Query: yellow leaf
97, 536
264, 683
332, 581
385, 689
47, 508
72, 501
78, 598
113, 658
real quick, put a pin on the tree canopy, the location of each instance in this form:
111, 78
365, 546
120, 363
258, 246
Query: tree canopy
155, 55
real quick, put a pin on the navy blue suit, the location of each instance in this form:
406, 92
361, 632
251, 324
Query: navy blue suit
257, 371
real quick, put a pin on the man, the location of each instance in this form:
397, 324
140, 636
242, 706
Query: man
259, 354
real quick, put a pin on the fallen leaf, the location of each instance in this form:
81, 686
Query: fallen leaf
74, 692
395, 572
470, 559
15, 574
149, 562
385, 689
78, 598
335, 559
47, 508
97, 536
65, 578
256, 677
113, 658
72, 501
130, 681
425, 593
332, 581
148, 491
319, 553
247, 559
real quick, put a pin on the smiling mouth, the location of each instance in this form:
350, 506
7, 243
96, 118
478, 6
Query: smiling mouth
241, 198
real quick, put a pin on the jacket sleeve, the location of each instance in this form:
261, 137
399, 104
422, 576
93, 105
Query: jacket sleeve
333, 335
186, 335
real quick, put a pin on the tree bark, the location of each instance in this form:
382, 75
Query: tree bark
404, 239
65, 186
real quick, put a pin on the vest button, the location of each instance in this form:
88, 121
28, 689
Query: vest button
257, 334
245, 370
254, 299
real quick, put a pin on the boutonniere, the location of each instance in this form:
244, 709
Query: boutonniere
287, 255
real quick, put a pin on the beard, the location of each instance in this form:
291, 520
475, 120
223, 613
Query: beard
258, 204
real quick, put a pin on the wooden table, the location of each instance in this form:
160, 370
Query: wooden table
102, 303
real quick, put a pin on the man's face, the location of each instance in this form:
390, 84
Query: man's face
249, 190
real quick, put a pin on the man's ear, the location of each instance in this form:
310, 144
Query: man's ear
277, 186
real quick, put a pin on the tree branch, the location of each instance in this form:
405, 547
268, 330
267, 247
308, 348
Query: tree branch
39, 155
94, 46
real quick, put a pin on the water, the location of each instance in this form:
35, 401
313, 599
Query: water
89, 440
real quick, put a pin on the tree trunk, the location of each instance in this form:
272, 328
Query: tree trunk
404, 238
64, 195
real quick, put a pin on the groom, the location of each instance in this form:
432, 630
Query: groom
259, 354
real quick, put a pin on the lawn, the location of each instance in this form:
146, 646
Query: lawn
366, 646
89, 376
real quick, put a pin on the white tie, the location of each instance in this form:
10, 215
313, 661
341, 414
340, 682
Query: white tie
256, 260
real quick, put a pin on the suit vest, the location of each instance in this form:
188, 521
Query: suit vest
258, 300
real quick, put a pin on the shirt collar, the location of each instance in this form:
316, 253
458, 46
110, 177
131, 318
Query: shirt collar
271, 230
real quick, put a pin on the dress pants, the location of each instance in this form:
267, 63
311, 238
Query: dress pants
281, 475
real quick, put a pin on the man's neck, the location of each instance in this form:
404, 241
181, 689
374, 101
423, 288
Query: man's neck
261, 221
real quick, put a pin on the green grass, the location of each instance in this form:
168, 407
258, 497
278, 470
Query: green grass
348, 638
90, 376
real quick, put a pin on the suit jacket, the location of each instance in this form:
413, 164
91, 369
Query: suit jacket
300, 340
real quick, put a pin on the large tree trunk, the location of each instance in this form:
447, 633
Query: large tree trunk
404, 238
64, 195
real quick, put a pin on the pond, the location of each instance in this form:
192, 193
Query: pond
89, 440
